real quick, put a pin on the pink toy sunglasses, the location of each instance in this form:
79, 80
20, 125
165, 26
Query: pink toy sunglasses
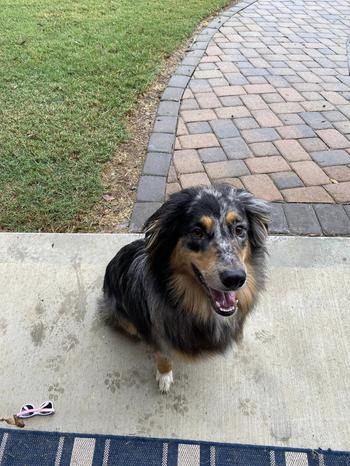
29, 410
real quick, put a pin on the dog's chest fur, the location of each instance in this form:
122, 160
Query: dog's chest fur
192, 336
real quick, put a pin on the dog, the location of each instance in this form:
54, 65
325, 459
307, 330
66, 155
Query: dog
188, 286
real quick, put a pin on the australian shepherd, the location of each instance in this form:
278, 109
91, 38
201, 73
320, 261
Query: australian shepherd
188, 286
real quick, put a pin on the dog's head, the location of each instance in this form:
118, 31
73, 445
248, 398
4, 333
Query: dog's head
210, 235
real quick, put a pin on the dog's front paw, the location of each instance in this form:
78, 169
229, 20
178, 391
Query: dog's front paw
164, 381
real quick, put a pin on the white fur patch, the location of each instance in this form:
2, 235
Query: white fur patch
164, 381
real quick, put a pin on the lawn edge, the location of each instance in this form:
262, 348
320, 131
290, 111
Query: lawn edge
113, 215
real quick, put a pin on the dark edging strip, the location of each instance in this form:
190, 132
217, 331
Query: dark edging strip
151, 189
286, 219
310, 219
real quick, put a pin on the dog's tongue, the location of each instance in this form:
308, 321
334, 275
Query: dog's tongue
224, 299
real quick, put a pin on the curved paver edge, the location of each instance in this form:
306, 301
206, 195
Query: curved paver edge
287, 218
151, 188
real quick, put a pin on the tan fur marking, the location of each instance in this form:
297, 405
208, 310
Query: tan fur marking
190, 358
247, 295
207, 223
231, 217
128, 328
184, 282
193, 297
164, 364
244, 254
182, 259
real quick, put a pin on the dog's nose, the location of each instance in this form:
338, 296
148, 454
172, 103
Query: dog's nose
233, 279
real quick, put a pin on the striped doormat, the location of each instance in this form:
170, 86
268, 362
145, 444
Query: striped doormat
32, 448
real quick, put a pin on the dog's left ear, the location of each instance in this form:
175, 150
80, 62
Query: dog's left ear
258, 213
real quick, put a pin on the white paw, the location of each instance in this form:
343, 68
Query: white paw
164, 381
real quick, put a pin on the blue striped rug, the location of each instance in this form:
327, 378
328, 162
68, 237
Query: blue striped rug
32, 448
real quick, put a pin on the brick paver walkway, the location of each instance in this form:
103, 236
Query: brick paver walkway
267, 108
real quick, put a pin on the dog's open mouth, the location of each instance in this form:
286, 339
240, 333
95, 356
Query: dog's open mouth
224, 303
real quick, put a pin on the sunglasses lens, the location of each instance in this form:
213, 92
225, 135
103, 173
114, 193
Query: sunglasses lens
48, 407
23, 413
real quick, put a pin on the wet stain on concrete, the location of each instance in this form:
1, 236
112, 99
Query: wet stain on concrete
131, 378
68, 303
71, 307
247, 407
70, 342
38, 333
96, 284
148, 423
282, 432
55, 391
54, 363
81, 308
281, 428
264, 336
98, 321
134, 378
40, 307
3, 326
113, 381
17, 253
176, 400
258, 375
149, 353
74, 303
243, 358
179, 403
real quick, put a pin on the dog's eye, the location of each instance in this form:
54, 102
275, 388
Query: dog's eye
197, 233
239, 230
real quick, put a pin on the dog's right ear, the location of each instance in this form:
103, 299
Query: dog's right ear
151, 228
163, 226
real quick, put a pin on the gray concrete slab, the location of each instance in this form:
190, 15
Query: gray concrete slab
287, 385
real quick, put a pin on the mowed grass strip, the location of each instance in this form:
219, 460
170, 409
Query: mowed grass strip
70, 70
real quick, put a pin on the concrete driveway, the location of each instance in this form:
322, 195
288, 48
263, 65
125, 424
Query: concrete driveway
287, 385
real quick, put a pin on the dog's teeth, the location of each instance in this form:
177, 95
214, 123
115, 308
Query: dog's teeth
227, 309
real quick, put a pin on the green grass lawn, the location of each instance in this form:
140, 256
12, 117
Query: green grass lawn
70, 70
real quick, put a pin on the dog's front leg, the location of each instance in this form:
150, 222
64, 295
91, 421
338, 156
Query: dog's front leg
164, 375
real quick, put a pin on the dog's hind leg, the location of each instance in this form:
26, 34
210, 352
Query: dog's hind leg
164, 375
108, 311
128, 329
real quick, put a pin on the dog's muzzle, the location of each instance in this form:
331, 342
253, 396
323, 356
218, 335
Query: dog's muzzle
224, 303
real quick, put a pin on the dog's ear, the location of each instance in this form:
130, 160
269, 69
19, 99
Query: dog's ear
258, 213
162, 227
151, 228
